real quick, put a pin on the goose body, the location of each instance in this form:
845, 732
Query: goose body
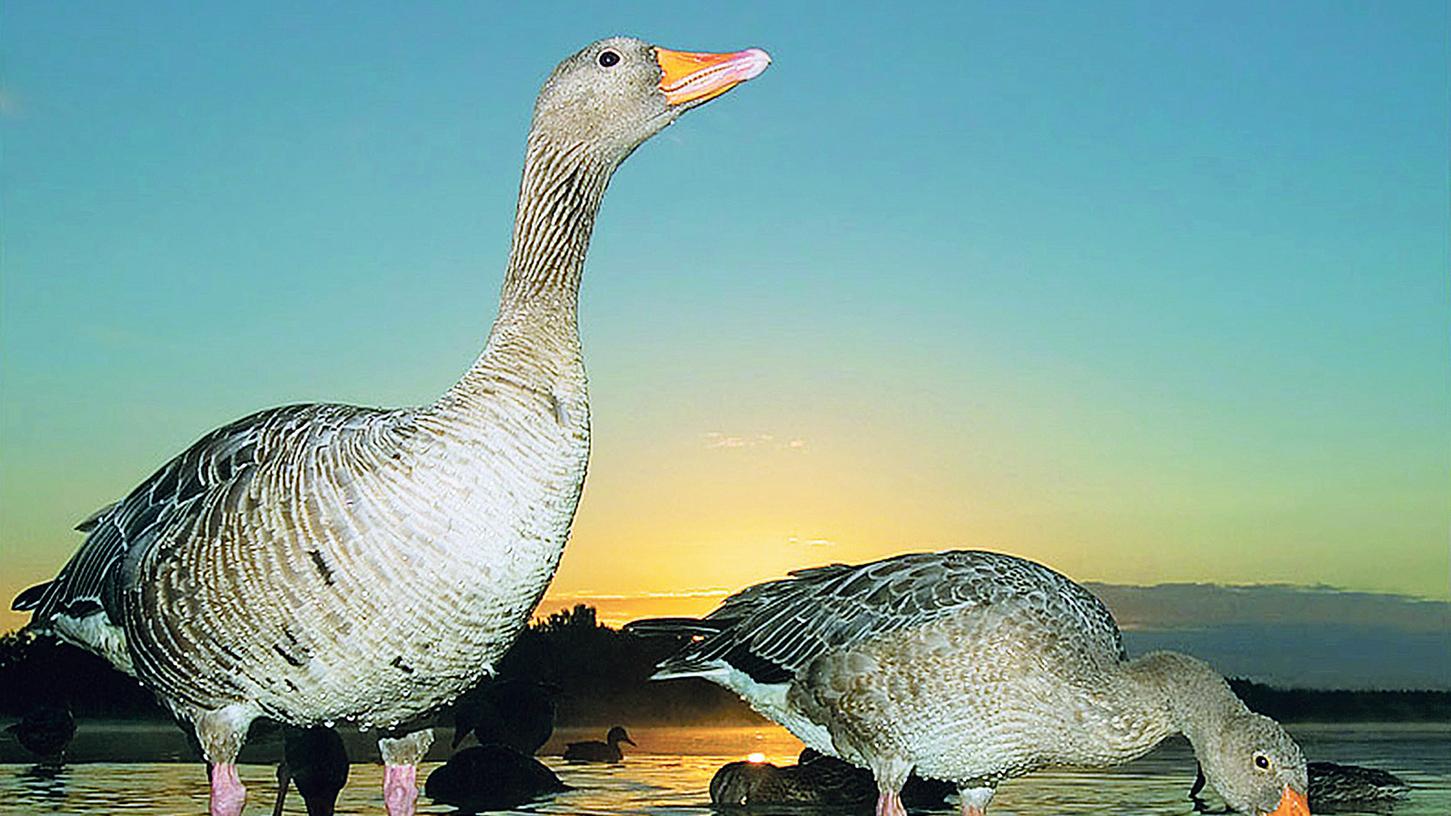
971, 667
322, 563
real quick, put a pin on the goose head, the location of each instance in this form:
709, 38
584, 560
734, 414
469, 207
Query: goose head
615, 93
1256, 767
617, 735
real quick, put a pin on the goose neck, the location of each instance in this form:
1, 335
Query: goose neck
559, 196
1195, 699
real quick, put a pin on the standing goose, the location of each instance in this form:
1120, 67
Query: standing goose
973, 667
321, 563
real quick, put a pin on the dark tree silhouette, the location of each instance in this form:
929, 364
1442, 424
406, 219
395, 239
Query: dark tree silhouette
602, 677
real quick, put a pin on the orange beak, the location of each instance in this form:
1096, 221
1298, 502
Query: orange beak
689, 77
1292, 803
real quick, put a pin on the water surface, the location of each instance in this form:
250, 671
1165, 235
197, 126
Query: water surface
670, 774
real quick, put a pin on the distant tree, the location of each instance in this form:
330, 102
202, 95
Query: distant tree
42, 671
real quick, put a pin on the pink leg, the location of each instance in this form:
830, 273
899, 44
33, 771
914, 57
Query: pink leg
889, 803
228, 795
400, 789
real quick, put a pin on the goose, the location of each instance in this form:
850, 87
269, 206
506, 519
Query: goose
45, 731
514, 713
972, 667
490, 777
1336, 788
330, 563
596, 751
314, 760
816, 780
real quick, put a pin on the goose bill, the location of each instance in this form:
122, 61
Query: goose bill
1292, 803
691, 77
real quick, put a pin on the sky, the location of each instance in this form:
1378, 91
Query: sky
1151, 293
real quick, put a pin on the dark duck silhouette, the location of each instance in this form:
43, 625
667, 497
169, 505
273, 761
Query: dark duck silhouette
1336, 788
45, 731
816, 780
314, 760
518, 714
490, 777
595, 751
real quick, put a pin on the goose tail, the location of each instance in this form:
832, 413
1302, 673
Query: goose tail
30, 599
673, 627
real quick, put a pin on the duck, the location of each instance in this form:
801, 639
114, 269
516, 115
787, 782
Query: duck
45, 731
816, 781
596, 751
1336, 788
515, 713
491, 777
325, 563
972, 667
315, 761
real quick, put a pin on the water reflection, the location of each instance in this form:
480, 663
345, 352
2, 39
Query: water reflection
44, 782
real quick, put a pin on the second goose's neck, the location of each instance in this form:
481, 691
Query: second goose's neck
535, 338
1192, 698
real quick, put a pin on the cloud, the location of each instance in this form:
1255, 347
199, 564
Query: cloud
811, 542
1314, 637
1172, 606
716, 439
588, 595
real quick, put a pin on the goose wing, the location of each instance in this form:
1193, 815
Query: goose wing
772, 631
215, 467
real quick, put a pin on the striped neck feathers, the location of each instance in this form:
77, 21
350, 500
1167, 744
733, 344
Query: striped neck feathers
559, 196
535, 339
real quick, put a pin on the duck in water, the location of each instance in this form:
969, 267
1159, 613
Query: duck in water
1335, 788
491, 777
314, 760
817, 781
595, 751
45, 731
514, 713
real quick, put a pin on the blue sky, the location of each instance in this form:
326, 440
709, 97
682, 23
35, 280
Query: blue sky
1150, 292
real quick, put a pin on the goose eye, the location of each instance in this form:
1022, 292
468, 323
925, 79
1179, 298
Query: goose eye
609, 58
1262, 761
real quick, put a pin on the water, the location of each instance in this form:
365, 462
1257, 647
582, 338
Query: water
670, 772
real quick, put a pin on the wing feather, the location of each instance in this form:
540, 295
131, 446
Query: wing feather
774, 630
211, 473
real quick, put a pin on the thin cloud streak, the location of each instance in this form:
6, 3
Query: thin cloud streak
718, 440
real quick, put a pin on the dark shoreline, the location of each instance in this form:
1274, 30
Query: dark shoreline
600, 677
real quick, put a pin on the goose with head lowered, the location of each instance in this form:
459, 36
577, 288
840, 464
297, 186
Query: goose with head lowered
331, 563
973, 667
